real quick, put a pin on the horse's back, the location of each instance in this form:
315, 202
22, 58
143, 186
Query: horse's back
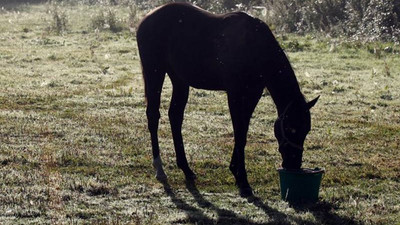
165, 19
203, 49
163, 27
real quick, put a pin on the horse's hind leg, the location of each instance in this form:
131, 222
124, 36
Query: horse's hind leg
179, 99
154, 80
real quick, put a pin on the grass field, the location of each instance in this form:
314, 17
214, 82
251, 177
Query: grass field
74, 146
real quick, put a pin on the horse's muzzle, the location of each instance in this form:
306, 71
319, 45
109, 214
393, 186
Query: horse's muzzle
292, 162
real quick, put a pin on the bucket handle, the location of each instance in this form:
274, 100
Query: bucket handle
287, 194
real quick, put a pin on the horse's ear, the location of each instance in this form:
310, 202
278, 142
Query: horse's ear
311, 103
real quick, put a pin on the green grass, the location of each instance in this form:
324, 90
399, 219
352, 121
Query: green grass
75, 147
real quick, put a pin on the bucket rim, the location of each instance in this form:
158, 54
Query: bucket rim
316, 170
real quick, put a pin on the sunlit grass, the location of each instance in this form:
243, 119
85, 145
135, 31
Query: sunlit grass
75, 147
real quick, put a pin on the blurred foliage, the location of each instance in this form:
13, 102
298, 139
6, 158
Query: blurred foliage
365, 19
106, 19
368, 19
59, 22
359, 19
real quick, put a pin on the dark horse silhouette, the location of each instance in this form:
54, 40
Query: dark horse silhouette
233, 52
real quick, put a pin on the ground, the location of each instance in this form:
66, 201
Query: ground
75, 147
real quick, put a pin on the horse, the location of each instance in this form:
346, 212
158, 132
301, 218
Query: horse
235, 53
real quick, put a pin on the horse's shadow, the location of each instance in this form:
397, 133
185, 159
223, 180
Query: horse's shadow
323, 211
197, 216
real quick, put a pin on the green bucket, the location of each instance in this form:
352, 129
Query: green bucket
300, 185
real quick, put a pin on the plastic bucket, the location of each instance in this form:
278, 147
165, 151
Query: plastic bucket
300, 185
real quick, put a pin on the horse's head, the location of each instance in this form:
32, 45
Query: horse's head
291, 129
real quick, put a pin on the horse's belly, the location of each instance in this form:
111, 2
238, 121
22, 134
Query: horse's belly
207, 85
198, 69
199, 76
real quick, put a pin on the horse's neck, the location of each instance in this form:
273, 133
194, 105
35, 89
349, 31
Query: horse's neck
284, 89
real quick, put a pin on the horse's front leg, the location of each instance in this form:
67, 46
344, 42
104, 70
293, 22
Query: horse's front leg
179, 99
241, 108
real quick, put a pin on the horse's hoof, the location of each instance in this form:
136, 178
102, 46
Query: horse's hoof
246, 192
160, 174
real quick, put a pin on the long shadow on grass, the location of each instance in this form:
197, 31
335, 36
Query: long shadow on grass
225, 216
277, 216
324, 213
196, 216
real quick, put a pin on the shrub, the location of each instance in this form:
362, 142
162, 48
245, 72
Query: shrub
132, 20
59, 20
380, 20
372, 19
106, 19
284, 15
